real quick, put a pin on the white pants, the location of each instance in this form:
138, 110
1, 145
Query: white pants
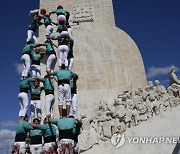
51, 62
22, 147
36, 71
61, 16
49, 30
65, 141
50, 99
35, 107
70, 63
49, 145
36, 148
30, 36
62, 54
70, 32
26, 61
64, 94
23, 98
74, 100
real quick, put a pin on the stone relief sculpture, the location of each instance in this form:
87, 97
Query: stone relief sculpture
129, 110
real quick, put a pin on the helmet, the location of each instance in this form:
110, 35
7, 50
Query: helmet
59, 7
43, 11
61, 21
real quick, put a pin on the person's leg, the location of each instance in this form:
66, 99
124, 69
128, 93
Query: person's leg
61, 99
38, 109
51, 62
29, 35
70, 63
49, 30
26, 61
66, 50
60, 55
32, 109
74, 104
49, 103
67, 97
62, 149
23, 98
38, 71
70, 148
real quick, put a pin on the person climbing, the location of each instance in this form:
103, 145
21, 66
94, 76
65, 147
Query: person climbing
36, 139
23, 96
64, 92
49, 94
51, 60
66, 127
33, 28
22, 128
36, 57
63, 49
35, 104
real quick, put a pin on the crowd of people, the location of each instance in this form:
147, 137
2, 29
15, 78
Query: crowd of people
42, 137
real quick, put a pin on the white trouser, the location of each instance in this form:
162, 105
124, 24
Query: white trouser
30, 35
35, 107
49, 145
74, 100
64, 94
61, 16
70, 32
49, 103
49, 30
36, 71
51, 62
36, 148
23, 98
62, 54
26, 61
22, 147
70, 63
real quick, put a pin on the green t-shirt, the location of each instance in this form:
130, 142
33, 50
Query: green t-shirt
49, 47
60, 11
35, 132
65, 123
25, 83
47, 131
63, 74
23, 127
48, 85
46, 19
36, 56
73, 81
36, 91
28, 48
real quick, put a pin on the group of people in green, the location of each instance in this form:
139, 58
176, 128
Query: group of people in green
43, 136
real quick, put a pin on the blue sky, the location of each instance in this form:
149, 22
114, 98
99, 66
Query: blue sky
154, 25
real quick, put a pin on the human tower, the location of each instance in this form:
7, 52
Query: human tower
43, 136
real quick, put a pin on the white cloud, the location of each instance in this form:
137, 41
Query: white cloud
19, 68
8, 123
6, 134
158, 71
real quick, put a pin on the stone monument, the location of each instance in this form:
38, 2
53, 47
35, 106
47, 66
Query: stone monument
106, 59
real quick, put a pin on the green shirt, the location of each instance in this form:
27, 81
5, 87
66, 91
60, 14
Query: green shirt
36, 56
28, 48
73, 81
23, 127
65, 123
49, 47
35, 132
60, 11
36, 91
63, 74
47, 131
48, 84
46, 19
25, 83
